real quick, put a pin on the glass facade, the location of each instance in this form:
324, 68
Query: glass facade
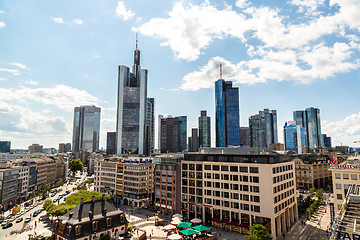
270, 126
294, 137
326, 141
169, 135
204, 130
150, 125
86, 129
263, 129
227, 114
5, 146
183, 132
111, 143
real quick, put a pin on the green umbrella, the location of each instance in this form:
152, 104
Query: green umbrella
189, 232
201, 228
184, 225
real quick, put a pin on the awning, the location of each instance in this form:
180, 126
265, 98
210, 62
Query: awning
234, 222
244, 225
224, 220
184, 225
201, 228
189, 232
215, 219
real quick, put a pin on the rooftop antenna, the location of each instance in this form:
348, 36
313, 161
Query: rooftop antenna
136, 41
220, 71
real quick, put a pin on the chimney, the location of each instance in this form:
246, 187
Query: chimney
81, 208
90, 215
104, 212
70, 215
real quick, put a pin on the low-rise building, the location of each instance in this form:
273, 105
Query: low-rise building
90, 220
35, 148
9, 180
168, 184
235, 191
130, 180
312, 171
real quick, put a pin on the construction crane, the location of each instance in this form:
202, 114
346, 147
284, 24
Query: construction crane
356, 141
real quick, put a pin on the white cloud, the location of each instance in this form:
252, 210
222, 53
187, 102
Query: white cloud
62, 96
19, 65
344, 131
122, 12
96, 56
14, 72
3, 79
242, 3
2, 24
30, 82
2, 12
309, 7
78, 21
58, 19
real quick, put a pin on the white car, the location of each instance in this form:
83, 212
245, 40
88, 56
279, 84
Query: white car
27, 219
4, 222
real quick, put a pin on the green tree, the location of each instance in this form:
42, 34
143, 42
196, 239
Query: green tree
259, 233
312, 190
76, 165
59, 183
105, 237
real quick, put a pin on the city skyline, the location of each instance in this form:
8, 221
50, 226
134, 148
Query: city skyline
283, 56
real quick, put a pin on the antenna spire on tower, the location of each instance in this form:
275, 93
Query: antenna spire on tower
136, 41
220, 71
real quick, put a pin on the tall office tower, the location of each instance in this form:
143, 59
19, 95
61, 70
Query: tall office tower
86, 129
194, 140
244, 136
64, 147
169, 134
326, 141
131, 108
5, 146
263, 129
67, 147
189, 145
204, 130
227, 114
310, 119
183, 132
150, 121
294, 137
111, 142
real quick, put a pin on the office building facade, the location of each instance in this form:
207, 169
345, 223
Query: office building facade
204, 130
169, 134
64, 147
86, 129
263, 129
35, 148
294, 137
227, 114
194, 141
111, 142
310, 120
5, 146
244, 136
183, 132
234, 192
150, 126
326, 141
131, 108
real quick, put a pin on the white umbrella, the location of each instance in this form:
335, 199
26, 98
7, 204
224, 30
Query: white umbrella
175, 237
196, 221
177, 218
175, 222
177, 215
169, 227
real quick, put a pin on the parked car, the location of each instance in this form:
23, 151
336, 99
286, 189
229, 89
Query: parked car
54, 200
36, 213
19, 220
9, 224
27, 219
4, 222
53, 194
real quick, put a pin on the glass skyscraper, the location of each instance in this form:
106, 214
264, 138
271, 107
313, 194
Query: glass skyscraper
86, 129
310, 120
227, 114
5, 146
263, 129
131, 108
150, 126
111, 142
326, 141
204, 130
294, 137
169, 134
183, 132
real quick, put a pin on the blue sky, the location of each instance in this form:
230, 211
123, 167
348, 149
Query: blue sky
283, 55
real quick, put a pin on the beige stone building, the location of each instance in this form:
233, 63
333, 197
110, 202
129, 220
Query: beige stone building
312, 171
35, 148
344, 175
234, 192
130, 181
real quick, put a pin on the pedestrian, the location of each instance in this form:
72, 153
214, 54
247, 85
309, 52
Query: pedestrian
283, 235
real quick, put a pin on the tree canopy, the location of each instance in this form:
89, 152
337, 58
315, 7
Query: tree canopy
259, 233
76, 165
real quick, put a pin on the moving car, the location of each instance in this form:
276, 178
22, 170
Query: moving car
36, 213
4, 222
9, 224
27, 219
19, 220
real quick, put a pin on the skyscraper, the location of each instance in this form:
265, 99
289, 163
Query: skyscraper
5, 146
263, 129
294, 137
86, 129
244, 136
150, 122
204, 130
64, 147
131, 108
169, 134
183, 132
310, 120
326, 141
111, 142
227, 114
194, 140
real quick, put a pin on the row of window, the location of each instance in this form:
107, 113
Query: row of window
283, 177
346, 176
283, 186
280, 197
284, 205
282, 168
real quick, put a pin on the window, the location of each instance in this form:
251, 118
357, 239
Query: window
254, 169
353, 177
224, 168
255, 189
235, 177
339, 196
184, 166
216, 168
337, 175
338, 186
108, 222
233, 169
78, 230
244, 169
256, 179
191, 166
256, 208
68, 230
207, 167
256, 198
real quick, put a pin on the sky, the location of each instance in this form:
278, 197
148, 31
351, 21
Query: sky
283, 55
